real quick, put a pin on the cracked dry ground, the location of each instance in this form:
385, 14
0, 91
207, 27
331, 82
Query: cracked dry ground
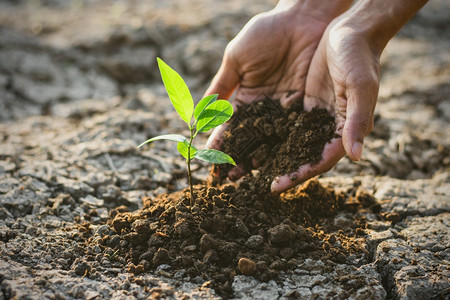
79, 89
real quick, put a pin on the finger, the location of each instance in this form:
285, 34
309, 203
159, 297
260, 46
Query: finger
332, 153
236, 172
361, 100
215, 142
225, 81
215, 139
288, 98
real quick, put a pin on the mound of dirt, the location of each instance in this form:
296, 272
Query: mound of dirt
244, 229
236, 230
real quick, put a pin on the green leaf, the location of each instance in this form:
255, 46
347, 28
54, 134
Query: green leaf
214, 115
182, 147
201, 106
170, 137
214, 156
178, 92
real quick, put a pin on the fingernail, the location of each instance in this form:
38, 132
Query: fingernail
357, 150
274, 186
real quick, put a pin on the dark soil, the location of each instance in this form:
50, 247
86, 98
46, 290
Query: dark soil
234, 230
289, 137
244, 229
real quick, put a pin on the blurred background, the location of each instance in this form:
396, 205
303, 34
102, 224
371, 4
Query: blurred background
59, 51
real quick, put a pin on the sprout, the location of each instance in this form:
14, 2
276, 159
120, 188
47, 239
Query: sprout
208, 114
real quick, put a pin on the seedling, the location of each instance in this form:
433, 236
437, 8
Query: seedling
208, 114
111, 256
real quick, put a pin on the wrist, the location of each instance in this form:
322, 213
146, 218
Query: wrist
324, 11
379, 21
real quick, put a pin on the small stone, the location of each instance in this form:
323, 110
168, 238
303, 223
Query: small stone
179, 274
247, 266
368, 201
164, 267
90, 294
77, 292
164, 273
211, 256
278, 265
286, 253
139, 269
342, 221
207, 242
141, 226
255, 242
281, 234
190, 248
105, 262
4, 213
241, 228
32, 230
112, 193
80, 267
114, 241
301, 232
125, 285
393, 217
91, 200
102, 230
134, 238
161, 257
144, 263
182, 229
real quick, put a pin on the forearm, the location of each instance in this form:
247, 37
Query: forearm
380, 20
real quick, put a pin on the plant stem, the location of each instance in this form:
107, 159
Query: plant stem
188, 161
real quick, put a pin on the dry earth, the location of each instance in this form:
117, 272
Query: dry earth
79, 89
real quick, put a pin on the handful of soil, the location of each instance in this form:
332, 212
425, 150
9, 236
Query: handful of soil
277, 140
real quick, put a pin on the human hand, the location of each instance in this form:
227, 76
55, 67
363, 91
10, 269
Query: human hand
271, 56
344, 78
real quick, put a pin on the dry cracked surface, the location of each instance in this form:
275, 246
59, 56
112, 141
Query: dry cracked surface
79, 89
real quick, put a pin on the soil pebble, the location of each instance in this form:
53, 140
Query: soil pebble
247, 266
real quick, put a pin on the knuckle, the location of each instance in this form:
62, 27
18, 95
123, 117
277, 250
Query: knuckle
367, 81
362, 77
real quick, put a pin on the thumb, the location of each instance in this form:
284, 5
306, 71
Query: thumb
225, 81
361, 99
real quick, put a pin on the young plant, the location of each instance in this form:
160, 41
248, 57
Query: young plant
208, 114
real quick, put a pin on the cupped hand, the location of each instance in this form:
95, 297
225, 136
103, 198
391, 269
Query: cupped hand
343, 78
271, 57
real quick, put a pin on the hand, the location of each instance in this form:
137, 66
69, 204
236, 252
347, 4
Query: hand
271, 56
344, 78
